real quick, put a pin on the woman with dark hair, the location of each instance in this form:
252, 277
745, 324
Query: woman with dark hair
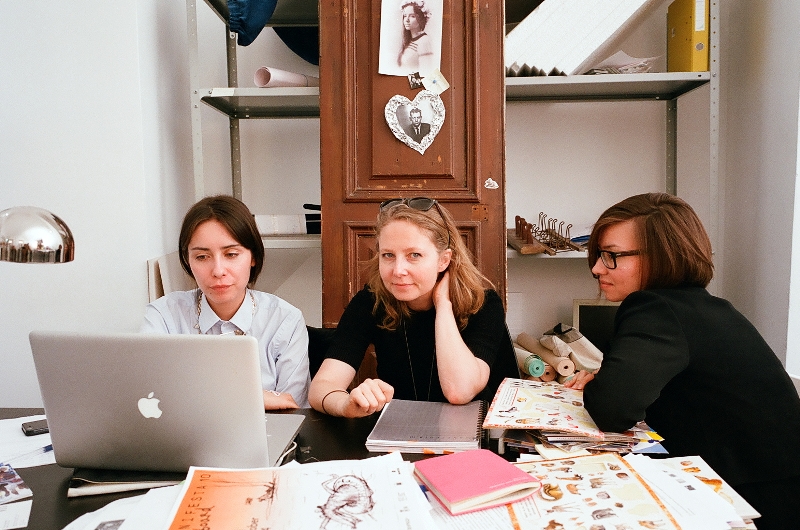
416, 52
437, 326
220, 247
688, 363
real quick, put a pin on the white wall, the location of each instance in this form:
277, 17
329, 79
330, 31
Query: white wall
759, 118
793, 337
95, 127
71, 141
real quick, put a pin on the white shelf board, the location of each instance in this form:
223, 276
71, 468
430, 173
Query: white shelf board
656, 86
292, 241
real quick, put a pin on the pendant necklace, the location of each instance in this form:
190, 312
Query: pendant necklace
411, 367
200, 308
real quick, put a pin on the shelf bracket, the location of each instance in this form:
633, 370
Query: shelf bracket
671, 144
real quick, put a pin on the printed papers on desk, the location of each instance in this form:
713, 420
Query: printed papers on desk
374, 493
427, 427
555, 415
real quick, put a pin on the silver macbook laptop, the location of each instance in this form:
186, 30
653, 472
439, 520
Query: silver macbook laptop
156, 402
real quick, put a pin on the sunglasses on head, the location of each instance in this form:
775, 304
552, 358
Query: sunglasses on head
422, 204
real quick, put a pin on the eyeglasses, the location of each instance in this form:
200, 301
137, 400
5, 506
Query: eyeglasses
609, 258
422, 204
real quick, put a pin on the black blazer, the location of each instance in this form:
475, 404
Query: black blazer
702, 376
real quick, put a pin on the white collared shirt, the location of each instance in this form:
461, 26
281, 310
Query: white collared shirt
278, 326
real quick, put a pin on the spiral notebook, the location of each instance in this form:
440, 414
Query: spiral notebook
427, 427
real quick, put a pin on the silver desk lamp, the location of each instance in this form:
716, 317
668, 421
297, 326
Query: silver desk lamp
34, 235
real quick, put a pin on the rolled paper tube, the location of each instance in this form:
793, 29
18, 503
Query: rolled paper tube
549, 373
268, 77
531, 378
529, 343
528, 362
564, 378
563, 365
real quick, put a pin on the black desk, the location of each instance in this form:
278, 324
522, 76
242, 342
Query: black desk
321, 437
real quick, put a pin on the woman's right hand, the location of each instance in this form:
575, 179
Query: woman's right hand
368, 397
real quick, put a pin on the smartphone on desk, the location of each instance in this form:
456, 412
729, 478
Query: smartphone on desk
31, 428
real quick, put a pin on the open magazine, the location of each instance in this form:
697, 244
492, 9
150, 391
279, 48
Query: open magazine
555, 415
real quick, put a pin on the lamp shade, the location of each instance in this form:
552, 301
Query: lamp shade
34, 235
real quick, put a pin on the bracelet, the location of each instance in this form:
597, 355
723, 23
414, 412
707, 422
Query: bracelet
322, 403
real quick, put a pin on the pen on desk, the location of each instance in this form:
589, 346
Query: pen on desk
35, 452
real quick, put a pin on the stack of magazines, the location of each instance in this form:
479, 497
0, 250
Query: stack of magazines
640, 439
550, 415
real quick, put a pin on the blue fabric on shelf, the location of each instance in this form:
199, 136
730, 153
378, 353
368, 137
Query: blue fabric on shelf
303, 41
248, 18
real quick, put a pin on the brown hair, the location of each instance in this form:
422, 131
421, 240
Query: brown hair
235, 217
467, 284
675, 248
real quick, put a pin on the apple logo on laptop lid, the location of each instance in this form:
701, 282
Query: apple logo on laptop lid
148, 406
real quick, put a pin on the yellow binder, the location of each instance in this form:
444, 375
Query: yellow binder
687, 36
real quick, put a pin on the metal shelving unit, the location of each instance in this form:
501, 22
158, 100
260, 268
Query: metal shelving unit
244, 103
666, 86
249, 103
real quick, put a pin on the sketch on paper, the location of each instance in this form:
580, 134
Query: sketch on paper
349, 497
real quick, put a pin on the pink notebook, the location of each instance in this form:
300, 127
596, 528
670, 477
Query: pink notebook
474, 480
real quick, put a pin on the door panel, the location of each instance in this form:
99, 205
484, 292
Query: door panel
362, 163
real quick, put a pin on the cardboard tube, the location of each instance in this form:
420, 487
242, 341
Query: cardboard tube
528, 362
549, 373
562, 365
267, 77
529, 343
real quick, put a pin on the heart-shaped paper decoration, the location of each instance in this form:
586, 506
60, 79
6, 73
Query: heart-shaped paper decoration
428, 109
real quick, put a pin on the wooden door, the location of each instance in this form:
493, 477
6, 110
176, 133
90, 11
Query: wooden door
363, 163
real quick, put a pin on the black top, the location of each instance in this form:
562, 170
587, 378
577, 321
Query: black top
702, 376
406, 356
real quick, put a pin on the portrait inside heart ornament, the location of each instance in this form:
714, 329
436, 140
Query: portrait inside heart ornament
415, 123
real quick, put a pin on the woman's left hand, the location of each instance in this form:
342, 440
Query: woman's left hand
441, 291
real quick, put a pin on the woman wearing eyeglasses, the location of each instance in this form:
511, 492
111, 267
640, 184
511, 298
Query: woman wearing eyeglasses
688, 363
437, 326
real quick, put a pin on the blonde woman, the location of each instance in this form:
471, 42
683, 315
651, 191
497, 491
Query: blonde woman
437, 325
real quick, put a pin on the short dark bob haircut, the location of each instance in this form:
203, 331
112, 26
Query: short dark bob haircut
235, 217
674, 246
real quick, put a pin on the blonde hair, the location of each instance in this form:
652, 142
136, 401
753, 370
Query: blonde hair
467, 283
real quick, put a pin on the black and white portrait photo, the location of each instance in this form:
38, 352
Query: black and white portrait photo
415, 123
411, 37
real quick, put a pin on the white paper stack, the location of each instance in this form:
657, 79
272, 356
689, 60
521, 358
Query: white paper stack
275, 224
570, 36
